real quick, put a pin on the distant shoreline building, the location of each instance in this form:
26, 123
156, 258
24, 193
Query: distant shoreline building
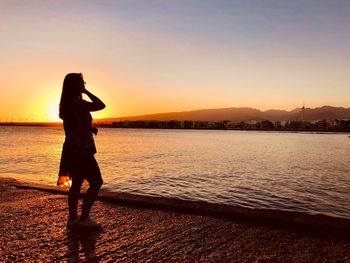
319, 125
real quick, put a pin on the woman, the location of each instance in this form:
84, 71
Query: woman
77, 161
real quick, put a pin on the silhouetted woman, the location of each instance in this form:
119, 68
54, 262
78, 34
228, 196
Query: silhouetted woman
77, 161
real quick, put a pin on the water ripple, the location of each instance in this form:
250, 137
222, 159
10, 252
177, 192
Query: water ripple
286, 171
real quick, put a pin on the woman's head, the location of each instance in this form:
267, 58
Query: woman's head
73, 86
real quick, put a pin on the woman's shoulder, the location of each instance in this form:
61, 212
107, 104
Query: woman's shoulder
85, 106
81, 105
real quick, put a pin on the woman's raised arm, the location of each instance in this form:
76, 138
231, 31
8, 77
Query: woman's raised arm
96, 103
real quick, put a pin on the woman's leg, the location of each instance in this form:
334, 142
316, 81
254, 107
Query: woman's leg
73, 196
93, 176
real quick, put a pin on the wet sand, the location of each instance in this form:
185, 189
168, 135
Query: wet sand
140, 229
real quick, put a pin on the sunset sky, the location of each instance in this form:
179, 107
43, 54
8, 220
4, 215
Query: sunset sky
145, 57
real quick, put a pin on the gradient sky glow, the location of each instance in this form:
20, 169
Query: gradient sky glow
158, 56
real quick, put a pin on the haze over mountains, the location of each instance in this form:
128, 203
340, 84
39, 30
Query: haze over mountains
245, 114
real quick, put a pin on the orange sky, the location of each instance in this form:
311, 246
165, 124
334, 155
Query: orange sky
172, 56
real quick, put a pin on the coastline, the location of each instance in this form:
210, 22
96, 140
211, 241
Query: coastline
109, 125
152, 228
317, 223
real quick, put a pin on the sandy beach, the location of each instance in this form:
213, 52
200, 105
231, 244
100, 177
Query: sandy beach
140, 229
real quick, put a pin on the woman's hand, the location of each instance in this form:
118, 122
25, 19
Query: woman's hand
94, 130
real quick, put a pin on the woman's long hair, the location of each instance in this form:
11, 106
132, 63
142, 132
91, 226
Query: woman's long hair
71, 91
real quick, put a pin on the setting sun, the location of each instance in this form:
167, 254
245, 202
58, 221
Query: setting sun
53, 111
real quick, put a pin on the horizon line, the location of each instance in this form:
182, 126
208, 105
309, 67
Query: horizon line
12, 121
202, 109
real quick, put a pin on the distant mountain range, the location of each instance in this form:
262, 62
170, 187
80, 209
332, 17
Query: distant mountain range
245, 114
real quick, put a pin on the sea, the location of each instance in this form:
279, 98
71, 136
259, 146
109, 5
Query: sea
303, 172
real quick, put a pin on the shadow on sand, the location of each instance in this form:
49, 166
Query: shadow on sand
81, 244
